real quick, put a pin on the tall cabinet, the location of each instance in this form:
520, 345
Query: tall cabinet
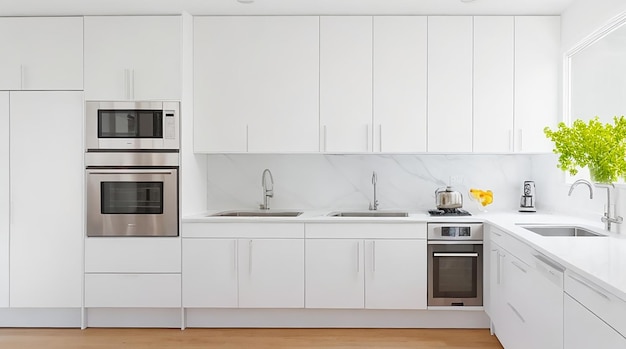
4, 199
450, 83
46, 171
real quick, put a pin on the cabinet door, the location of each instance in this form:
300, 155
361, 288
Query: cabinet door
334, 273
545, 314
537, 71
514, 329
583, 329
395, 274
271, 273
41, 53
493, 83
399, 91
46, 194
256, 83
346, 83
133, 57
4, 199
210, 273
449, 84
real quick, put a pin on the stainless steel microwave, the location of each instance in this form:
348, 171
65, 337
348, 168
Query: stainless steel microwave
132, 125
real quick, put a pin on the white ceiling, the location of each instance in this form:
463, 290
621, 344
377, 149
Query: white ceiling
282, 7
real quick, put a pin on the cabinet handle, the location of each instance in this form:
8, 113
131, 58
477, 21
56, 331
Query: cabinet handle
498, 267
516, 312
550, 263
518, 266
496, 234
448, 254
380, 137
373, 255
600, 293
21, 76
358, 256
126, 84
249, 257
325, 138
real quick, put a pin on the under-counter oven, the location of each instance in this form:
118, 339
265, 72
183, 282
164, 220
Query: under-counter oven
455, 264
132, 200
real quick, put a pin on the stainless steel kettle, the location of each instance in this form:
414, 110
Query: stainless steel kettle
448, 198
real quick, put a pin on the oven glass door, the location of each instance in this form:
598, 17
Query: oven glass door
131, 123
455, 274
126, 202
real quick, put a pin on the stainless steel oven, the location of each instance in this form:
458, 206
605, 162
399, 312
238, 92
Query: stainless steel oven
455, 264
147, 125
132, 200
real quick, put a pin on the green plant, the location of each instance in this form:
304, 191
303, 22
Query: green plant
598, 146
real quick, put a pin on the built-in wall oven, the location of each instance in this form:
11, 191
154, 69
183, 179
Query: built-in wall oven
132, 163
455, 264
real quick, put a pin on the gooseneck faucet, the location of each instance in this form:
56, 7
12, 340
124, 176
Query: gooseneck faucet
608, 218
374, 205
268, 191
578, 182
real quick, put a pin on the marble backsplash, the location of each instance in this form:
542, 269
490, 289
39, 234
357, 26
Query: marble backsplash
315, 181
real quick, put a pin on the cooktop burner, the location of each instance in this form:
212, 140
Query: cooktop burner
449, 212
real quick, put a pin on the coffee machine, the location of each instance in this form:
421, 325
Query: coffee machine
527, 202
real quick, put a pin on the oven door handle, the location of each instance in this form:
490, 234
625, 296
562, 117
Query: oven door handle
142, 172
451, 254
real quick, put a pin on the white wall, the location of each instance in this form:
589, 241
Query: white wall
585, 16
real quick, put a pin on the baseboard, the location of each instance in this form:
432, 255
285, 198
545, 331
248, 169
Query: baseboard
40, 317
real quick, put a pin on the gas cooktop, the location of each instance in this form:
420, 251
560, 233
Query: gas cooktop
449, 212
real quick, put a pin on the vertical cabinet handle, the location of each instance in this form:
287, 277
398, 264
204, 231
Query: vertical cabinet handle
126, 83
21, 76
250, 257
236, 254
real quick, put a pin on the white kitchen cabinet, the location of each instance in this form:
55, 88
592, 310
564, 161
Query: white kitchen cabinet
132, 255
372, 266
46, 247
583, 329
450, 83
271, 273
256, 84
345, 84
334, 273
246, 265
132, 291
399, 83
493, 84
210, 273
537, 72
133, 57
41, 53
4, 199
395, 274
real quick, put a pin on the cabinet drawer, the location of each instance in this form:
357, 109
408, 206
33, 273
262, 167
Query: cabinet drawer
366, 230
599, 301
244, 230
133, 290
132, 255
512, 245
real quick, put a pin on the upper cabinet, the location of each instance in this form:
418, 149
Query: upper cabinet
256, 84
346, 84
133, 57
537, 72
494, 49
450, 84
399, 84
41, 53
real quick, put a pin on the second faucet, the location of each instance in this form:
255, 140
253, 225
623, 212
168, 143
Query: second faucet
374, 205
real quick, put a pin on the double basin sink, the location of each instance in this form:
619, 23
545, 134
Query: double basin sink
268, 213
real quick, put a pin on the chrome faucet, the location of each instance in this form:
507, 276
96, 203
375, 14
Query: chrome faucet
267, 192
607, 219
581, 181
374, 205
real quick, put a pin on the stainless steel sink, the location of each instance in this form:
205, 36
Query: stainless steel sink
263, 213
369, 214
561, 230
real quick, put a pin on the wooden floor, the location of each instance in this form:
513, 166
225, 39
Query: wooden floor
93, 338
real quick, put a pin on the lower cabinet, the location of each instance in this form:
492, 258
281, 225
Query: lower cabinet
132, 291
249, 272
584, 330
373, 273
526, 290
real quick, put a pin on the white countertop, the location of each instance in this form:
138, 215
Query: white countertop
599, 259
